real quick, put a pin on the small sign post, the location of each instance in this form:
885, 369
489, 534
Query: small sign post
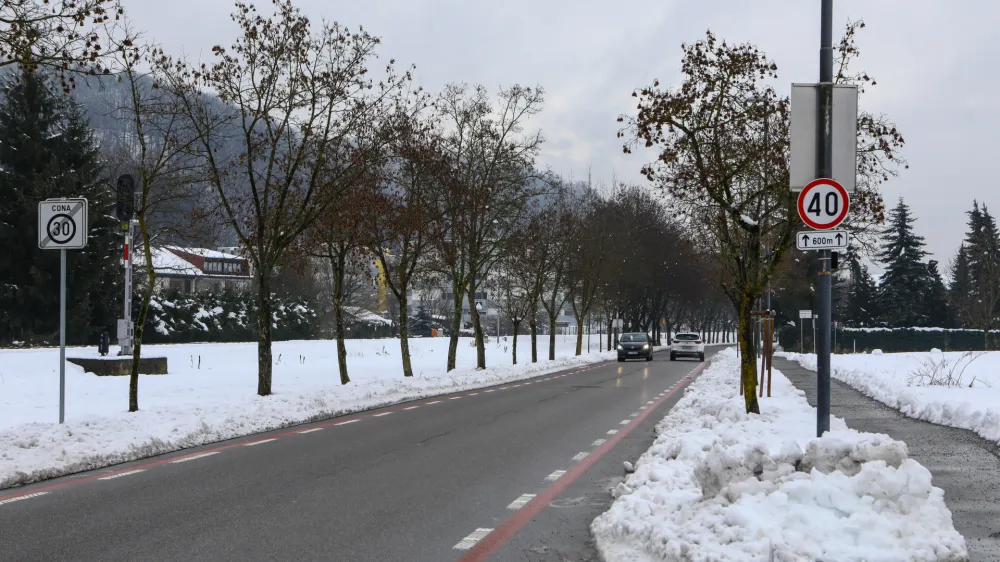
62, 225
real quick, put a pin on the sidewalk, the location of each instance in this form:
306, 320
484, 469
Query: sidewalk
964, 465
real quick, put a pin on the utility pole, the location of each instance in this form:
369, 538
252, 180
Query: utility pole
824, 170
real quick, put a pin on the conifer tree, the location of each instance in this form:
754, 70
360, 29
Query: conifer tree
906, 278
960, 290
47, 150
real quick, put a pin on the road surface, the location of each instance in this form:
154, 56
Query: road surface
514, 472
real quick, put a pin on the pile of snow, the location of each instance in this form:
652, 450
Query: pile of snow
210, 395
719, 484
955, 389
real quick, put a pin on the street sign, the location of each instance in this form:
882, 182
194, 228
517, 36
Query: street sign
824, 240
802, 135
805, 314
62, 224
823, 204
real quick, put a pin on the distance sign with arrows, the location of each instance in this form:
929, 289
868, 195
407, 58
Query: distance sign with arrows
822, 240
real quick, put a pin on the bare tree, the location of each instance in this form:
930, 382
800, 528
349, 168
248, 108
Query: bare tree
157, 144
299, 107
67, 36
494, 163
508, 292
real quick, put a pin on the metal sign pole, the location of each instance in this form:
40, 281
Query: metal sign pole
62, 335
124, 338
825, 170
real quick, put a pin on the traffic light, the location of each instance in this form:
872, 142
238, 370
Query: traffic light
125, 207
834, 260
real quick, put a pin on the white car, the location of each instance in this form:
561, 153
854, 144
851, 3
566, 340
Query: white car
686, 344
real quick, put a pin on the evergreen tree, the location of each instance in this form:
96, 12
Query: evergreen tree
935, 299
906, 278
862, 307
47, 150
960, 290
982, 245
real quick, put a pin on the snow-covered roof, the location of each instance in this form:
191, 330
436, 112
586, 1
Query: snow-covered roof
205, 253
367, 316
166, 262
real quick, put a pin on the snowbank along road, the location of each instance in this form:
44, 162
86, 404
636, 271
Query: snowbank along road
513, 472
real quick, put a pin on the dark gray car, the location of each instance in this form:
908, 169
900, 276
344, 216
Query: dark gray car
635, 346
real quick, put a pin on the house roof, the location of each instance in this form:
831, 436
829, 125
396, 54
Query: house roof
205, 253
167, 263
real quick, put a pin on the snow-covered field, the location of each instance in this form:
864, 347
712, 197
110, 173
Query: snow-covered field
955, 389
217, 400
721, 485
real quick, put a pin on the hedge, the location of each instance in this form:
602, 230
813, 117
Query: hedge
894, 340
224, 317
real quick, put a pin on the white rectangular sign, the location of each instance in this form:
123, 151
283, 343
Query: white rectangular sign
62, 224
822, 240
802, 135
805, 314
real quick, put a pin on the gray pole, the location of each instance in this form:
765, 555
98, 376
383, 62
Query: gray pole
825, 170
62, 335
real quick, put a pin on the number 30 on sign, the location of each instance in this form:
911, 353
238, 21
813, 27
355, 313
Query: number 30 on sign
823, 204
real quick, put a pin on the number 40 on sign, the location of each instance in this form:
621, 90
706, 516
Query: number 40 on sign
823, 204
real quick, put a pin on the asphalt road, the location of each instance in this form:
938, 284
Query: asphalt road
413, 482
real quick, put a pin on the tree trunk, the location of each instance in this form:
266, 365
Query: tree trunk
264, 321
579, 335
517, 326
533, 324
404, 335
477, 327
133, 381
748, 359
552, 336
456, 325
338, 314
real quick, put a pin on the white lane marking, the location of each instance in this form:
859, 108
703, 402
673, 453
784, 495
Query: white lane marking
19, 498
251, 444
120, 474
598, 443
643, 408
624, 422
411, 408
434, 402
555, 476
633, 414
473, 393
346, 422
515, 386
580, 456
612, 431
490, 390
471, 540
382, 414
650, 402
311, 430
454, 398
198, 456
520, 501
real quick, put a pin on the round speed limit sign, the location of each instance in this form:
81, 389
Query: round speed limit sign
823, 204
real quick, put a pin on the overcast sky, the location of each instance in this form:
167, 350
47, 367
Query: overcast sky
935, 63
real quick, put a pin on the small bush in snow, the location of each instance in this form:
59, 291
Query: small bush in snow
935, 371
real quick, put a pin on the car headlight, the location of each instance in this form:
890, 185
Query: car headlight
646, 346
620, 347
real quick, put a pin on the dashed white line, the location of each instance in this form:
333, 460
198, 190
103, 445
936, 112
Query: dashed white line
612, 431
120, 474
490, 390
473, 393
347, 422
556, 475
633, 414
454, 398
252, 443
520, 501
382, 414
411, 408
311, 430
19, 498
434, 402
598, 443
580, 456
193, 457
471, 540
650, 402
624, 422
